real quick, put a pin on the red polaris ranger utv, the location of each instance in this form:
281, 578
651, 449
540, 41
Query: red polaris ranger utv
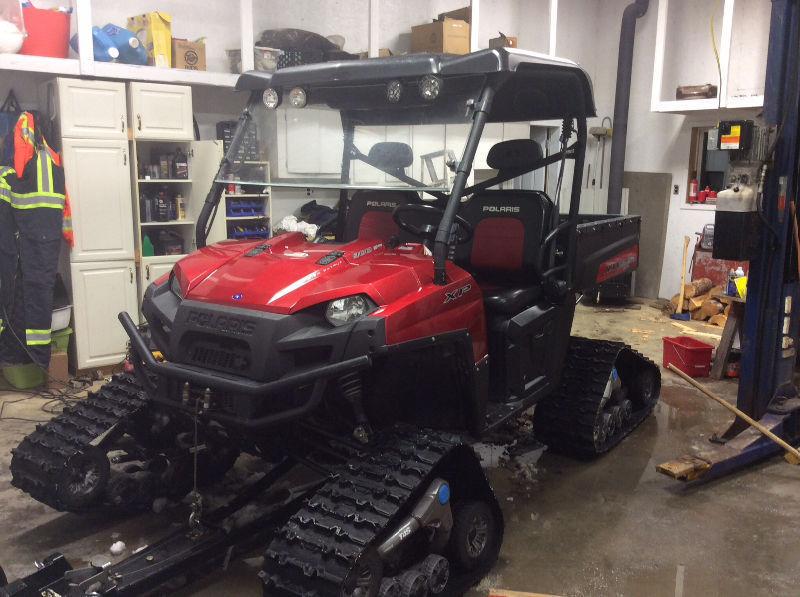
442, 308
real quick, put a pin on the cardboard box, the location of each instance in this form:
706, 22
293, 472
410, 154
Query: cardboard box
504, 41
154, 30
188, 55
462, 14
58, 371
449, 36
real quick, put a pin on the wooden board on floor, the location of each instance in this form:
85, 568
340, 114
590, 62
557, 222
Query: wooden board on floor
505, 593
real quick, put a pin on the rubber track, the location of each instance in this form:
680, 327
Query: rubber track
565, 420
316, 549
42, 455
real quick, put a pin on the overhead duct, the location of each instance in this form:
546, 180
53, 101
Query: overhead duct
622, 100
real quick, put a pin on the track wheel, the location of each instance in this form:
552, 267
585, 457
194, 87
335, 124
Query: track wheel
83, 479
473, 540
3, 579
365, 578
437, 570
413, 584
645, 388
390, 587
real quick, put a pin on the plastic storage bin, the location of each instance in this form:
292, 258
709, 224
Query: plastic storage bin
60, 339
48, 33
24, 377
689, 355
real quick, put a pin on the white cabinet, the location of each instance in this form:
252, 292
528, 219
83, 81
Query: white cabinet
100, 291
98, 181
86, 109
309, 143
153, 268
160, 111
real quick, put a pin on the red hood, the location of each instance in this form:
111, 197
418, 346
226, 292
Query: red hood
286, 274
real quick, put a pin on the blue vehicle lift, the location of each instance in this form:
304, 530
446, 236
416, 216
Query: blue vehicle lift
772, 313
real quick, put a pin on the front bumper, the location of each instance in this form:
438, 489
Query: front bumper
145, 364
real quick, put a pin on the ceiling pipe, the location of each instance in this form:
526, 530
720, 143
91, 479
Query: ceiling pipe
622, 100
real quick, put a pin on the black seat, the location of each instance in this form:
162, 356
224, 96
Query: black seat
369, 214
510, 301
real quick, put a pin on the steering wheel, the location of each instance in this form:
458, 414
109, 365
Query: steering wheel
430, 216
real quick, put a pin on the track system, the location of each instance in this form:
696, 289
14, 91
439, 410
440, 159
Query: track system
330, 547
109, 450
607, 389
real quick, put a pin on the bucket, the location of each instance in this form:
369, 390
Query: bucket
24, 377
689, 355
48, 33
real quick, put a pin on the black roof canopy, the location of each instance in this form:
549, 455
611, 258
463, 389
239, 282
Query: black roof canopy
528, 86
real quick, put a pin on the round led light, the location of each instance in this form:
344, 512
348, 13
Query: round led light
429, 87
272, 98
297, 97
394, 91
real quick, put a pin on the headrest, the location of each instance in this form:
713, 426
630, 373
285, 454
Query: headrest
390, 155
514, 154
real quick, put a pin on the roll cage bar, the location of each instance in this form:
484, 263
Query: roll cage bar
480, 110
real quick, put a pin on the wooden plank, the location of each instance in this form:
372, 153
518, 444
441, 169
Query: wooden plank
726, 344
685, 468
507, 593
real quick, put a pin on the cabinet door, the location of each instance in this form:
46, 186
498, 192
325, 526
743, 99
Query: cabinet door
161, 111
153, 268
87, 109
99, 292
204, 159
99, 185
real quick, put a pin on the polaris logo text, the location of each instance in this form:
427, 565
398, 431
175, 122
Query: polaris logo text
389, 204
366, 251
502, 209
222, 323
457, 293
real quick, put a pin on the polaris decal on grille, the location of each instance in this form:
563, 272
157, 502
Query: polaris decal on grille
619, 264
457, 293
502, 209
389, 204
221, 323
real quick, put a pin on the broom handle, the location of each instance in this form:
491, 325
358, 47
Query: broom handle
683, 274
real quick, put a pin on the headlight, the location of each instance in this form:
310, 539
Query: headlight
175, 286
272, 98
429, 87
348, 309
297, 97
394, 91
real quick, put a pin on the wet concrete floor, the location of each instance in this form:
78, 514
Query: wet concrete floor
610, 527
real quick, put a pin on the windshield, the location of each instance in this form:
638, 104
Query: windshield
305, 147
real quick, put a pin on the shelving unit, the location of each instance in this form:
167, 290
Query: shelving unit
742, 37
258, 202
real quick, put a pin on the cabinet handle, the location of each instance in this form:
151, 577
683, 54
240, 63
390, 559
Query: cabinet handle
147, 272
124, 158
122, 124
130, 271
139, 121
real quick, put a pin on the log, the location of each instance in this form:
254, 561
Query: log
711, 307
698, 315
697, 287
727, 310
674, 301
717, 291
697, 301
718, 319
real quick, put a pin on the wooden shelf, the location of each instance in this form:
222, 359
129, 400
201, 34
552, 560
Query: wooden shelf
687, 106
132, 72
165, 180
243, 195
40, 64
170, 223
234, 218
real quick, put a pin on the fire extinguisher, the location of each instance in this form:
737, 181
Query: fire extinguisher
693, 190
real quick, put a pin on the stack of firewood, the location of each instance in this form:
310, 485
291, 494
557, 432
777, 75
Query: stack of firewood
701, 299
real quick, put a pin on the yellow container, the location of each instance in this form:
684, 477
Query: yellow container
741, 286
154, 30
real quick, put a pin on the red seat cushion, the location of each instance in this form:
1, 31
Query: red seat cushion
498, 244
377, 225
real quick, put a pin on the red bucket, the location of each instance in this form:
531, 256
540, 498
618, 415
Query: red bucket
48, 33
689, 355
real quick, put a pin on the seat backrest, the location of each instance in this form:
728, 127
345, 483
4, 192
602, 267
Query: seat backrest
369, 214
509, 226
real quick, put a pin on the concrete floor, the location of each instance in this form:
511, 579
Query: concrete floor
612, 527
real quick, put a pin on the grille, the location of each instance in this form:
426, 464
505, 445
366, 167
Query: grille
216, 357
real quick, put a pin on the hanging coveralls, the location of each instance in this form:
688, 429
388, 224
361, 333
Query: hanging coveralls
32, 203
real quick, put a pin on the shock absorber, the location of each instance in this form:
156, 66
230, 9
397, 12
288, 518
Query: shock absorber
351, 389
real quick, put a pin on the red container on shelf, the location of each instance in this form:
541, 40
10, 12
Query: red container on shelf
689, 355
48, 33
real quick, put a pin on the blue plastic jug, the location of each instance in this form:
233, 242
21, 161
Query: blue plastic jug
131, 50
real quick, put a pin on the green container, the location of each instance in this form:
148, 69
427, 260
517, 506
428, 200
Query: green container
60, 339
24, 377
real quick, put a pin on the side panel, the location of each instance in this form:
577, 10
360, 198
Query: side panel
606, 249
